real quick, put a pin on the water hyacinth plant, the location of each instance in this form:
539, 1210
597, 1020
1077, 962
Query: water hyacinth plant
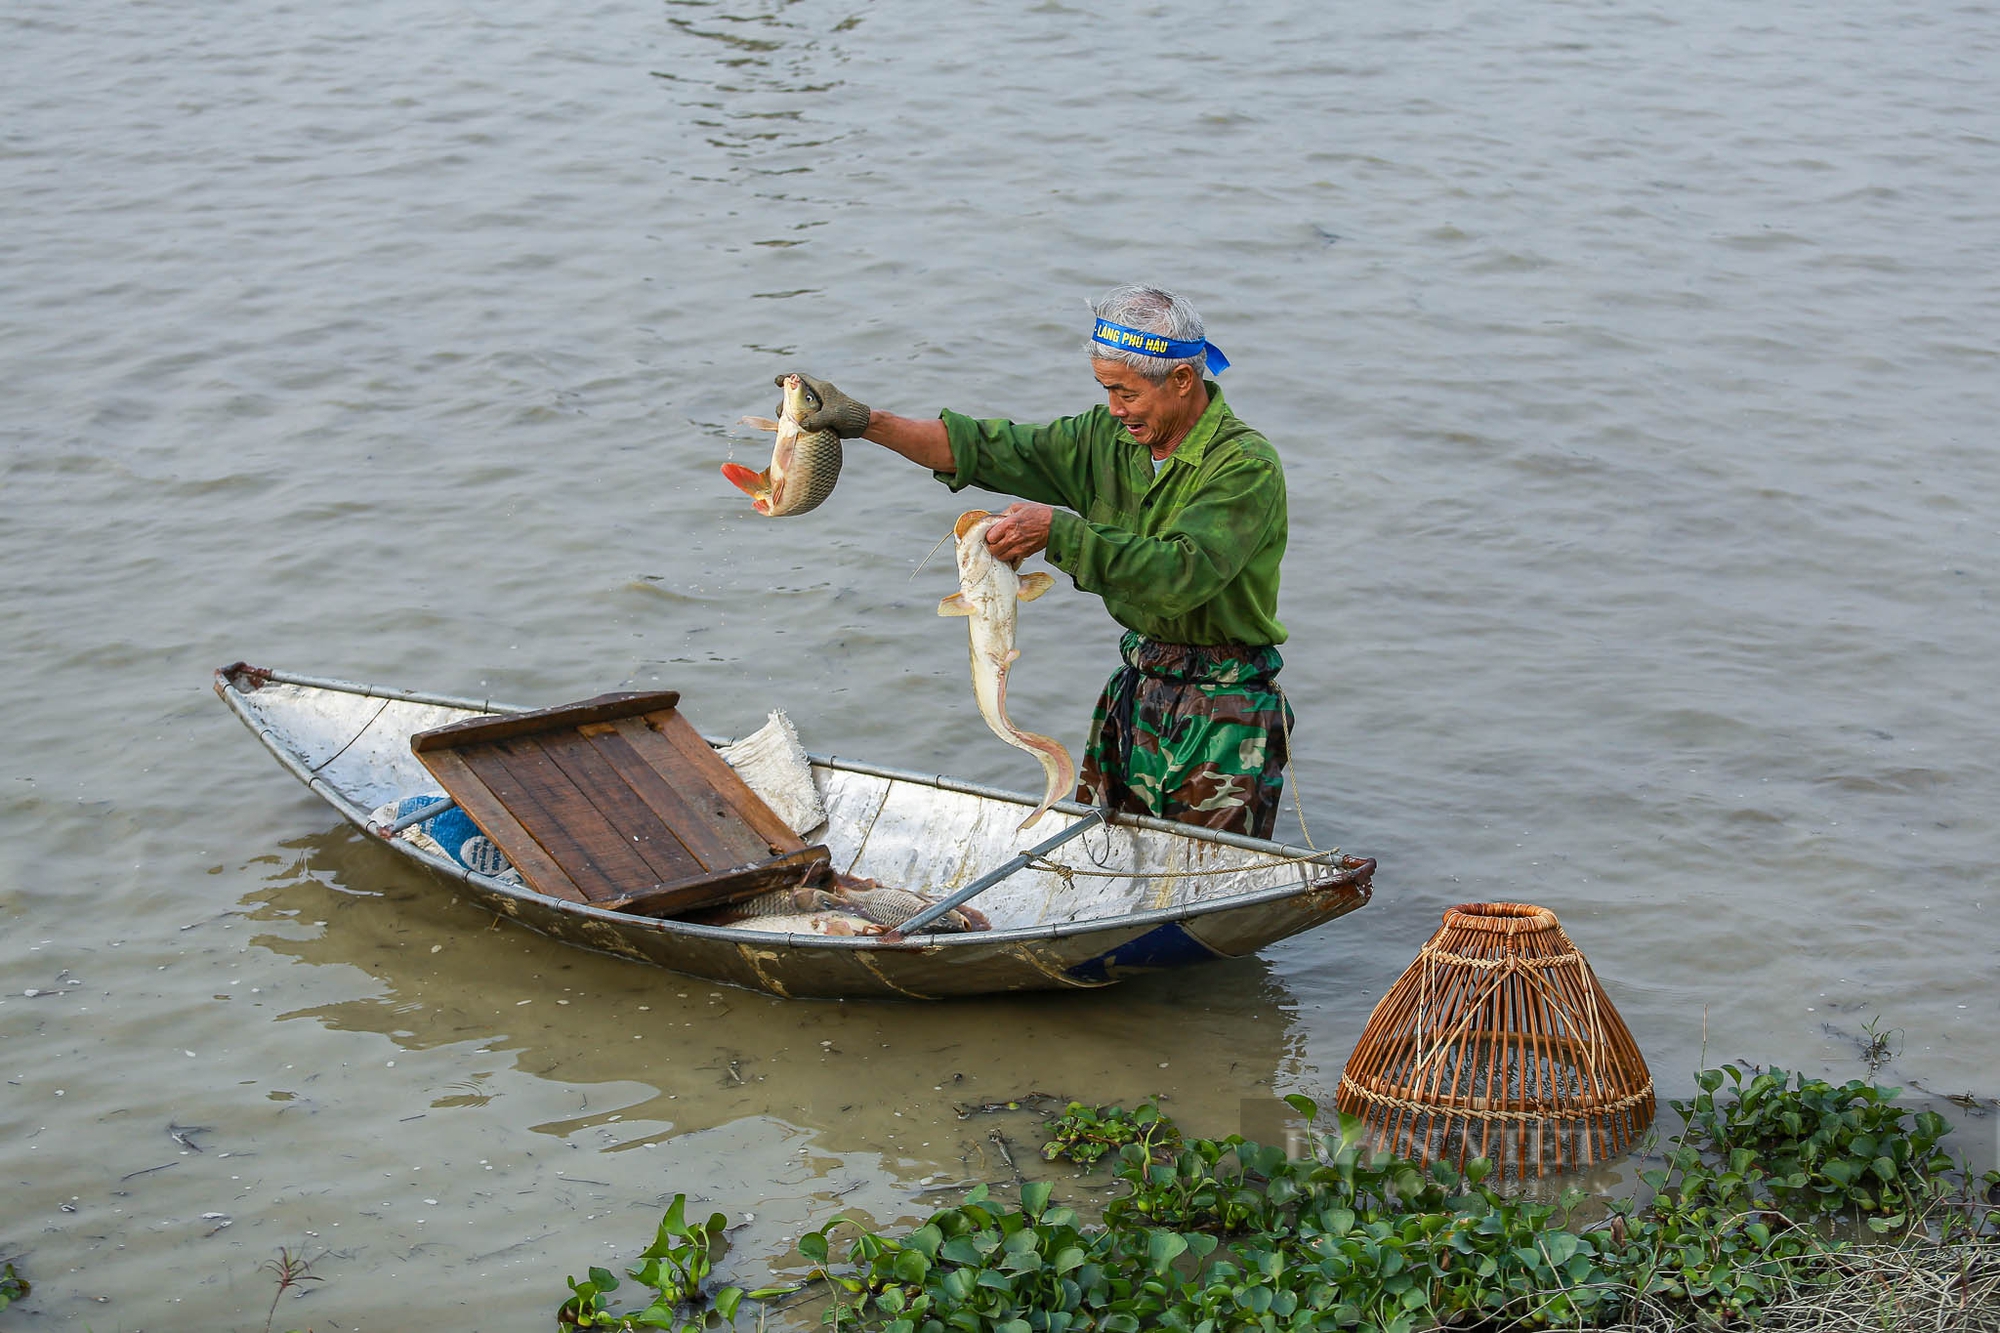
675, 1268
1813, 1148
1083, 1134
1225, 1234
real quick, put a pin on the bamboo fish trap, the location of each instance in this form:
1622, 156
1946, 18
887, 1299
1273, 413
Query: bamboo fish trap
1498, 1042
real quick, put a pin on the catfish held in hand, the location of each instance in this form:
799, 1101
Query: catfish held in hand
804, 464
988, 590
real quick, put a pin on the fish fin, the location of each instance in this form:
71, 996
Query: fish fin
1013, 656
1035, 584
743, 479
955, 605
759, 423
966, 520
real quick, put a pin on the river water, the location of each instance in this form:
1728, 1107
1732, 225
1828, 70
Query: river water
1635, 371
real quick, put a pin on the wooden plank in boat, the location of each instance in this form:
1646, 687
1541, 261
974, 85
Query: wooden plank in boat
617, 801
490, 813
713, 890
500, 726
749, 806
567, 826
673, 747
712, 841
630, 818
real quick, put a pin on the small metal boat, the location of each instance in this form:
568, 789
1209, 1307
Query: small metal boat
1131, 896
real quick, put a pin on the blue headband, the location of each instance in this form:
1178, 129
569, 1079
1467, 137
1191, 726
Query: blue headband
1158, 344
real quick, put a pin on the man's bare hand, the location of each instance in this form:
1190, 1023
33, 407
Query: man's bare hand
1021, 530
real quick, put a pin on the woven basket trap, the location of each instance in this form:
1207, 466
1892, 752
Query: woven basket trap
1498, 1042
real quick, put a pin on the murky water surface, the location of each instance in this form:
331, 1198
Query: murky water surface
1635, 371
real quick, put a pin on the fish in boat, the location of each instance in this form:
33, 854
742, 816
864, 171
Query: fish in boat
853, 907
989, 592
804, 465
1140, 894
889, 908
801, 911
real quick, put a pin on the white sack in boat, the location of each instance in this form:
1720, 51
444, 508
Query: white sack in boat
773, 763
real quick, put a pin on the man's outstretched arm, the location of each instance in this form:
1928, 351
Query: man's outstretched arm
922, 442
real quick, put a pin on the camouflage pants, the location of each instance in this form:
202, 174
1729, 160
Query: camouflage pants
1190, 734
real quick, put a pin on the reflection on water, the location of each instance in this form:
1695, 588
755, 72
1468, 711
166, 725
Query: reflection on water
436, 1105
868, 1073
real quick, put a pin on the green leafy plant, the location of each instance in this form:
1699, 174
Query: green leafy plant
1083, 1134
13, 1286
1881, 1046
673, 1268
1226, 1234
1809, 1148
290, 1270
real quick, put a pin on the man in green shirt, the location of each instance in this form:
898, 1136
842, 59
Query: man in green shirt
1165, 505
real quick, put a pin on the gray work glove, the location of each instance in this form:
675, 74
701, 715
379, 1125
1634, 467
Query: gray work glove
837, 412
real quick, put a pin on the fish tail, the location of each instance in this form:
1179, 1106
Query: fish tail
756, 485
1056, 763
1055, 759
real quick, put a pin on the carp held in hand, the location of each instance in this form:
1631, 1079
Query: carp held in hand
804, 465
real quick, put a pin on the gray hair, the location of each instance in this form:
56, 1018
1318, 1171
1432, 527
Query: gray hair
1150, 310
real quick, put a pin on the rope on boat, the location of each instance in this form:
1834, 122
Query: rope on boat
1292, 774
1069, 872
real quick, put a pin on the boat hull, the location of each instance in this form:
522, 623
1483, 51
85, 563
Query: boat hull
1140, 896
